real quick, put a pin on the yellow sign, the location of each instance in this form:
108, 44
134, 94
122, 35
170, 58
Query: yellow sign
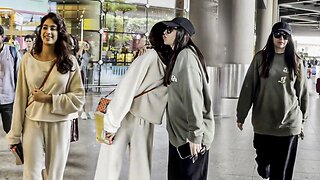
91, 24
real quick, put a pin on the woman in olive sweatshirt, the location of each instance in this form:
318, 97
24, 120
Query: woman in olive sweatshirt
189, 109
275, 86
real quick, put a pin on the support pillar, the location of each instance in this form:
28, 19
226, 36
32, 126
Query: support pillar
242, 42
236, 40
264, 22
275, 15
204, 17
225, 34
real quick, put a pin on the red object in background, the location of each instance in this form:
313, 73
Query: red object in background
105, 37
309, 73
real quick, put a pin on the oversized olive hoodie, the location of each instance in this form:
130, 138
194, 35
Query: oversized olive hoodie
189, 109
279, 104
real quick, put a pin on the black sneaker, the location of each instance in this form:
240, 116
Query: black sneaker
264, 171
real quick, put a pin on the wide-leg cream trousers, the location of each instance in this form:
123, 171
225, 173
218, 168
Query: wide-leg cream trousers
136, 135
49, 140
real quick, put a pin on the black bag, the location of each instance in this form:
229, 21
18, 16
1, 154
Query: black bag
318, 86
74, 134
17, 151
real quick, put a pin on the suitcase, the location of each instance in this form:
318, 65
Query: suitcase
318, 86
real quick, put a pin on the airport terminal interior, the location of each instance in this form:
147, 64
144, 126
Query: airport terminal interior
116, 29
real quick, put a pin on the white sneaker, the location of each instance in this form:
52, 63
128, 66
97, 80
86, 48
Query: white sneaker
88, 116
84, 116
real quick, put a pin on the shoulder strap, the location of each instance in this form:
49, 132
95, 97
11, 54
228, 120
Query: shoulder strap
144, 92
44, 81
48, 73
14, 55
110, 93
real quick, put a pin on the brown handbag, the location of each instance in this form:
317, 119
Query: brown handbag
103, 103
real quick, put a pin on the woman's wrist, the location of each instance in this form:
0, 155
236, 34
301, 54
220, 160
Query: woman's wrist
47, 98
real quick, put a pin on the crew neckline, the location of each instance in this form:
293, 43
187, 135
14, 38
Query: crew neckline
41, 60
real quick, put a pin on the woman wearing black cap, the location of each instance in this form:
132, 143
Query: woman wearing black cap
190, 122
275, 85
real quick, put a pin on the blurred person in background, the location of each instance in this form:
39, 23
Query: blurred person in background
9, 64
28, 43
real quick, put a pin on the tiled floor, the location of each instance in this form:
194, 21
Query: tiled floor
231, 157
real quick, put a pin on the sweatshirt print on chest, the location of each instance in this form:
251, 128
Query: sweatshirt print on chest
279, 72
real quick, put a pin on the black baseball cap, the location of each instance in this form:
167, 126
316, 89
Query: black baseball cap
1, 30
181, 22
282, 26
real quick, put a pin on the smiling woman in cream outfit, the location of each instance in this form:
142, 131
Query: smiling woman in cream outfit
41, 117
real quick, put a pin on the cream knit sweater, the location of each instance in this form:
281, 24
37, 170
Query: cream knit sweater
145, 73
66, 89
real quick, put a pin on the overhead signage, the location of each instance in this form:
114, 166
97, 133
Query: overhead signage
91, 24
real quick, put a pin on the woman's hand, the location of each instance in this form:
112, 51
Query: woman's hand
301, 135
143, 49
12, 146
109, 136
194, 148
240, 126
40, 96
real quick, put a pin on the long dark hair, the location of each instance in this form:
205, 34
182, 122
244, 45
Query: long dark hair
183, 40
62, 47
156, 41
290, 57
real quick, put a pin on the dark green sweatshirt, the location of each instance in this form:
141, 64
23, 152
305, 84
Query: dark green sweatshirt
278, 104
189, 109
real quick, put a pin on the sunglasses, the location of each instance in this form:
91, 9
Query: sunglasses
279, 34
170, 29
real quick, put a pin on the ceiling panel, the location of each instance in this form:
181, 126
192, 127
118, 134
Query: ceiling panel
302, 15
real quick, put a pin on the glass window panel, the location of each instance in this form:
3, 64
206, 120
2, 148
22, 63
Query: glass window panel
125, 18
127, 26
156, 14
93, 38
